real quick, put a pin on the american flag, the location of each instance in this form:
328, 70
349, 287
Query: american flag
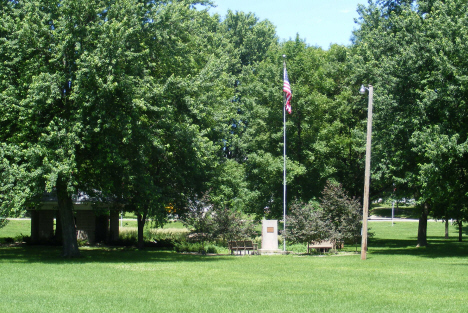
287, 90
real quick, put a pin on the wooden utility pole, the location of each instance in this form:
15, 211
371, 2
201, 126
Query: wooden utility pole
365, 210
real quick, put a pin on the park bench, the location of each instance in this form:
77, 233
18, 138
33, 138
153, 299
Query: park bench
242, 245
324, 245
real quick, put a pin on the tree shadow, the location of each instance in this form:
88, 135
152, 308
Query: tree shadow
52, 255
437, 247
400, 212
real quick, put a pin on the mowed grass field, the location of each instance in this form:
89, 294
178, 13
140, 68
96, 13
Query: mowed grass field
396, 277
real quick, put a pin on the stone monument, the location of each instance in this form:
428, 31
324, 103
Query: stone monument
269, 237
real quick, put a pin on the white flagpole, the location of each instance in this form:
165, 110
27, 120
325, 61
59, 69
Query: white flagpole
284, 161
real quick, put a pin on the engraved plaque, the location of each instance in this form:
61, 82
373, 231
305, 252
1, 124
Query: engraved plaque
270, 229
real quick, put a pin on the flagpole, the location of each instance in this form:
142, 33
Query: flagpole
284, 162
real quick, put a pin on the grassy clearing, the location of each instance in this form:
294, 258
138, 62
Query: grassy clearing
397, 277
16, 228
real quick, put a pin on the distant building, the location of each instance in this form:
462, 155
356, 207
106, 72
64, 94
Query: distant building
94, 222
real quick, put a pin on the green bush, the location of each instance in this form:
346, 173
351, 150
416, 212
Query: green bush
189, 247
297, 248
207, 221
195, 247
82, 242
17, 239
158, 238
211, 249
7, 240
128, 238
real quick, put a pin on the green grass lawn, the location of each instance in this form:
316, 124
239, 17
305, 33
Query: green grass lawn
396, 277
16, 228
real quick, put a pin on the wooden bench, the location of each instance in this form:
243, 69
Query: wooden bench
242, 245
324, 245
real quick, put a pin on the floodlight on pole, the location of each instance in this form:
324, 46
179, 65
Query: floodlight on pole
362, 90
365, 210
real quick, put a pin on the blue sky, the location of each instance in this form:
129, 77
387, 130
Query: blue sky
319, 22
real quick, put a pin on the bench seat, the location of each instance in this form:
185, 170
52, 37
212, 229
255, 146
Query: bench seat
242, 245
324, 245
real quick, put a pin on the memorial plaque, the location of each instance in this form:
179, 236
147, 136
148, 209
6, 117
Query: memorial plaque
270, 229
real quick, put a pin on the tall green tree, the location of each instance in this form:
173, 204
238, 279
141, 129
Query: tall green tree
42, 124
112, 98
178, 136
249, 43
414, 53
323, 132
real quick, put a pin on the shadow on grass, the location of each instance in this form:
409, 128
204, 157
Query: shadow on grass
437, 247
51, 254
401, 212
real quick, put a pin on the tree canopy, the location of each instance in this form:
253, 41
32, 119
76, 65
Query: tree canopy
149, 104
414, 53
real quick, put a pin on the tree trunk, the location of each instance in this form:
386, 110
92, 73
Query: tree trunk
422, 228
141, 220
446, 228
65, 207
460, 231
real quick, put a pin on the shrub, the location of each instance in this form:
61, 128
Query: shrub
211, 249
306, 223
7, 240
128, 238
228, 224
198, 217
297, 248
189, 247
337, 218
195, 247
208, 222
158, 238
343, 214
82, 242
